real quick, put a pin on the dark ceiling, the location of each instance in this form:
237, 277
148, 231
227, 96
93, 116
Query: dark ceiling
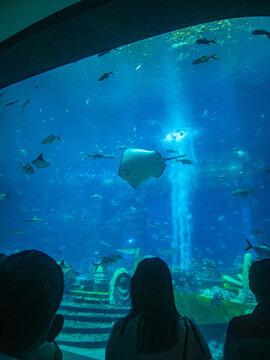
92, 26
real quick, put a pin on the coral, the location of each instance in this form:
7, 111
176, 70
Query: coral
240, 285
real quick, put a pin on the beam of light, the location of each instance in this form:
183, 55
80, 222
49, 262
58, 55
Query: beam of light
182, 179
175, 136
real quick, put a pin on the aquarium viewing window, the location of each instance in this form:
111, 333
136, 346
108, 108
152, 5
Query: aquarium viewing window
155, 148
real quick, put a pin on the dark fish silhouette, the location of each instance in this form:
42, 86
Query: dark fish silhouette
107, 261
184, 161
205, 41
262, 251
40, 162
243, 192
257, 232
26, 168
102, 53
96, 155
204, 59
261, 32
11, 102
105, 75
27, 101
50, 139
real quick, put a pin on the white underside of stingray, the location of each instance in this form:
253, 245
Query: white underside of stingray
138, 165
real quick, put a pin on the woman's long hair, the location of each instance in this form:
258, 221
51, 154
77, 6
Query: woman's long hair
152, 298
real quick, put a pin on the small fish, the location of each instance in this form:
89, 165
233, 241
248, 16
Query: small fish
96, 155
50, 139
267, 170
138, 67
204, 59
40, 162
261, 32
26, 168
34, 219
11, 102
205, 41
169, 251
184, 161
102, 53
22, 152
122, 147
105, 243
36, 87
106, 75
240, 153
107, 261
96, 196
127, 251
257, 232
221, 217
4, 195
26, 102
15, 231
171, 151
262, 251
243, 192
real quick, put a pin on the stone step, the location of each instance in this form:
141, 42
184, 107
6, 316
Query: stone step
86, 341
98, 309
86, 330
89, 300
86, 325
102, 318
89, 294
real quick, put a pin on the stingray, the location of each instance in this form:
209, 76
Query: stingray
40, 162
138, 165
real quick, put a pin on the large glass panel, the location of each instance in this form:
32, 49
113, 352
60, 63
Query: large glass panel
201, 93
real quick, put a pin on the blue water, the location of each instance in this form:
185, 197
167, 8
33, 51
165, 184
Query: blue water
221, 106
